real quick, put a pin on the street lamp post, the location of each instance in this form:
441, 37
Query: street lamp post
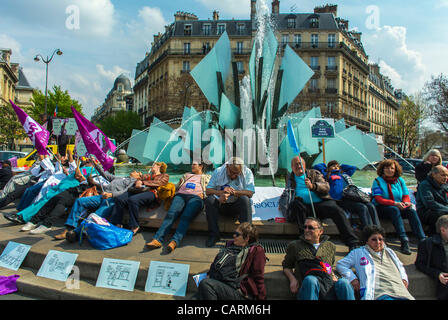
47, 61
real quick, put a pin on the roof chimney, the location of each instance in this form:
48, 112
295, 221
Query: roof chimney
215, 15
328, 8
275, 7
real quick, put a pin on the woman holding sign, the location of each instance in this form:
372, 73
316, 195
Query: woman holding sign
187, 203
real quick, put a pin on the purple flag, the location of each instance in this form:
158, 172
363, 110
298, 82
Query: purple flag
95, 140
8, 284
38, 135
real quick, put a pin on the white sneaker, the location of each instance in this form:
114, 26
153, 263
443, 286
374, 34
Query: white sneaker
40, 229
29, 226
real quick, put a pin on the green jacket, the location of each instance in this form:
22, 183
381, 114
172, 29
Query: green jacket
301, 249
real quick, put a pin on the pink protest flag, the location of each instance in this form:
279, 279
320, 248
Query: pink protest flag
38, 135
101, 139
13, 161
93, 141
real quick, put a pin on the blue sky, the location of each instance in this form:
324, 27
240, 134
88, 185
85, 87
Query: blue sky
407, 38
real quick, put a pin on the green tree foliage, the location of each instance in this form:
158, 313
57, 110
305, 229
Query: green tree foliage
57, 96
11, 128
119, 126
436, 96
412, 112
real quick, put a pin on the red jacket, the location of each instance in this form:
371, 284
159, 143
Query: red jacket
253, 286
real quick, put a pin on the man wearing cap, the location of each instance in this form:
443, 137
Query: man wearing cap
228, 192
5, 173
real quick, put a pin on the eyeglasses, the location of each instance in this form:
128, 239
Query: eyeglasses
308, 227
236, 234
377, 239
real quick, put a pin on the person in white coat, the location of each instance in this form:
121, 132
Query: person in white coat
379, 274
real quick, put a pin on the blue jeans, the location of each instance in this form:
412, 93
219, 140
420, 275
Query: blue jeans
366, 212
95, 203
397, 216
387, 297
183, 205
310, 289
133, 202
29, 195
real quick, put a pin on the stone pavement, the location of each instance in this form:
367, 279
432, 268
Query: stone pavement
192, 251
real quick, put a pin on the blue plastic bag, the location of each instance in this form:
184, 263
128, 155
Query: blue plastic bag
103, 237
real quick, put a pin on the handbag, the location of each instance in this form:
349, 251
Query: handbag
103, 235
353, 193
89, 192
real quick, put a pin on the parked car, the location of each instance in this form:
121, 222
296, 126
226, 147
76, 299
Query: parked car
409, 164
5, 155
30, 158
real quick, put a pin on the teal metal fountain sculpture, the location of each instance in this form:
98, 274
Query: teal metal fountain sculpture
250, 120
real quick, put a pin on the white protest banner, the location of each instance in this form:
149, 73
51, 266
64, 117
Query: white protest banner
265, 201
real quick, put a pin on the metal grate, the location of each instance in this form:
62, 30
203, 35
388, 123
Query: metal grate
274, 246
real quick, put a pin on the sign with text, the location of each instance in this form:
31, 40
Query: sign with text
71, 127
167, 278
57, 265
57, 126
322, 128
118, 274
13, 255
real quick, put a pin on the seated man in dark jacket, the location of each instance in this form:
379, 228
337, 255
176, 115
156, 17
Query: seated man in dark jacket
432, 199
308, 265
431, 257
5, 173
311, 194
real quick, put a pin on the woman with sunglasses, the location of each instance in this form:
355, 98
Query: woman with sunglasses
379, 274
248, 282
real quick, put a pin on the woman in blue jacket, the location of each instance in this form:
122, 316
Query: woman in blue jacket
339, 176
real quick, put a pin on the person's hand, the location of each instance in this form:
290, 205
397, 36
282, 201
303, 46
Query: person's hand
405, 283
223, 198
229, 190
138, 183
293, 286
355, 285
443, 278
407, 204
400, 205
308, 183
107, 195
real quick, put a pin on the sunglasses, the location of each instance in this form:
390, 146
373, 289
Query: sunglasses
308, 227
236, 234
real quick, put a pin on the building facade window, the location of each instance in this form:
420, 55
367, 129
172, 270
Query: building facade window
298, 40
241, 29
331, 40
206, 29
240, 66
314, 40
187, 29
313, 84
291, 23
239, 47
186, 66
187, 47
285, 39
314, 63
221, 28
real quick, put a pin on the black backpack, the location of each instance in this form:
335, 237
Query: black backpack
227, 265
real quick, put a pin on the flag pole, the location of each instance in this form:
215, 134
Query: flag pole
293, 143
